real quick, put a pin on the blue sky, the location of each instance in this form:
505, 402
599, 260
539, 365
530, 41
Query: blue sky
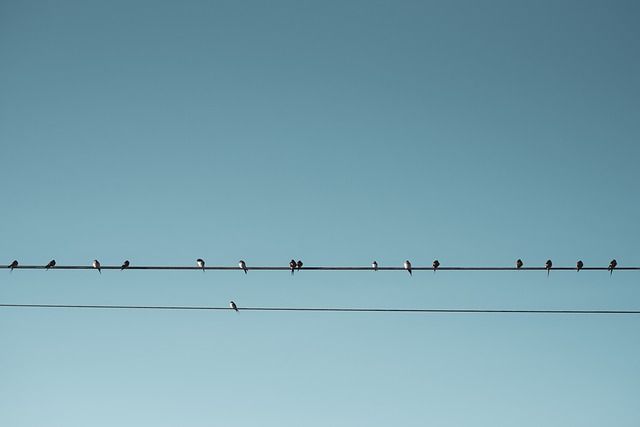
335, 133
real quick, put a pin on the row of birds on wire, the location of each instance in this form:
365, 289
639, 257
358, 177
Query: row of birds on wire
297, 265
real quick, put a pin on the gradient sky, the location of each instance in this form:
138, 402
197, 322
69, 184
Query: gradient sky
335, 133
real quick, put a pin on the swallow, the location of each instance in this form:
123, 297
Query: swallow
436, 264
374, 265
96, 264
519, 264
124, 265
51, 264
292, 266
243, 266
200, 262
612, 265
548, 266
233, 306
13, 265
579, 265
407, 266
299, 265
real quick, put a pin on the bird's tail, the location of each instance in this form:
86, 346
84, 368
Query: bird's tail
547, 272
292, 270
245, 271
610, 272
410, 273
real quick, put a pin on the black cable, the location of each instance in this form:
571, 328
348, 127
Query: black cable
113, 267
358, 310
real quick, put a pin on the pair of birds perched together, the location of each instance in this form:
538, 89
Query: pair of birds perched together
293, 264
96, 265
407, 266
613, 264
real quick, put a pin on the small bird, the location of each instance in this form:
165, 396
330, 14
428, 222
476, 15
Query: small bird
243, 266
407, 266
299, 265
548, 266
579, 265
233, 306
51, 264
374, 265
292, 266
519, 264
612, 265
436, 264
124, 265
200, 262
13, 265
96, 264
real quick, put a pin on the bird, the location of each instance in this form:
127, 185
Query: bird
233, 306
612, 265
200, 262
13, 265
51, 264
519, 264
292, 266
124, 265
299, 265
407, 266
374, 265
548, 266
579, 265
436, 264
96, 264
243, 266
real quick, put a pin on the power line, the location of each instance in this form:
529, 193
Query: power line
309, 309
319, 268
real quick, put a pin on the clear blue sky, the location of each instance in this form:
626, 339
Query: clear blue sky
335, 133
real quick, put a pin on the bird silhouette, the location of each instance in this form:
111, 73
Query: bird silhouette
548, 266
579, 265
436, 264
124, 265
299, 265
96, 264
233, 306
51, 264
374, 265
243, 266
612, 265
407, 266
519, 264
200, 262
292, 266
13, 265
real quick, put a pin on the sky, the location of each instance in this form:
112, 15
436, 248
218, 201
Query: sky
475, 133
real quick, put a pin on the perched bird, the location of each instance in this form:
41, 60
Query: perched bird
124, 265
579, 265
200, 262
233, 306
519, 264
436, 264
374, 265
292, 266
13, 265
243, 266
548, 266
96, 264
299, 265
51, 264
407, 266
612, 265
